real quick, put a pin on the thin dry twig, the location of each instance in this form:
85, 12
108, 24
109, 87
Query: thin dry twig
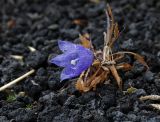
157, 106
18, 57
32, 49
150, 97
16, 80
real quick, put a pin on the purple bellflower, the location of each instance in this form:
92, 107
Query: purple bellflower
75, 59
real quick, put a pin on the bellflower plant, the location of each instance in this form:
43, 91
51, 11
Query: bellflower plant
75, 59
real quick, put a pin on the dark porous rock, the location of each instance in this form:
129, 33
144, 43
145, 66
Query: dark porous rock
70, 101
128, 45
23, 115
35, 59
133, 32
1, 59
149, 76
32, 88
48, 99
71, 89
126, 107
4, 119
41, 80
69, 33
157, 83
48, 113
87, 115
108, 98
133, 117
137, 94
10, 69
3, 95
118, 116
138, 68
88, 96
25, 99
154, 119
54, 81
9, 107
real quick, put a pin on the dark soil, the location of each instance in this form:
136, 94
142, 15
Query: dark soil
39, 24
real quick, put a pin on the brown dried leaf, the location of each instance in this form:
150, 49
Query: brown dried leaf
99, 79
140, 59
117, 57
81, 22
85, 40
136, 56
124, 66
81, 87
116, 76
116, 31
84, 87
11, 23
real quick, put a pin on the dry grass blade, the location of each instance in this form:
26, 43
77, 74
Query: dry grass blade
116, 76
150, 97
124, 66
32, 49
157, 106
116, 31
16, 80
18, 57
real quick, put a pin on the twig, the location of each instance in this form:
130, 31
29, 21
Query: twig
18, 57
32, 49
157, 106
16, 80
150, 97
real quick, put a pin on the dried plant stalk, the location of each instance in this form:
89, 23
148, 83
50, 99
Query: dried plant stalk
16, 80
150, 97
157, 106
116, 76
106, 62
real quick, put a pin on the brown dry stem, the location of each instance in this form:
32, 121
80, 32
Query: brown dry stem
106, 62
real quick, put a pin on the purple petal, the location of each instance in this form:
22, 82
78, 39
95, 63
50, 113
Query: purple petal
64, 60
85, 58
68, 73
66, 46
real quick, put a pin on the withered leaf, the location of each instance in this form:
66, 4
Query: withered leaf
116, 31
116, 75
124, 66
85, 40
136, 56
81, 22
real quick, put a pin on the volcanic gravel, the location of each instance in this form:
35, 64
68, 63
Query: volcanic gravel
41, 97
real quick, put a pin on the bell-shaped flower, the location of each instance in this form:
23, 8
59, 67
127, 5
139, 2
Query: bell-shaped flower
75, 59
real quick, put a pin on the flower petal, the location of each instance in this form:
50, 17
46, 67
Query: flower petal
68, 73
85, 58
64, 60
66, 46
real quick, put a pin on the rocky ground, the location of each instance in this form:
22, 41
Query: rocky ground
41, 97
